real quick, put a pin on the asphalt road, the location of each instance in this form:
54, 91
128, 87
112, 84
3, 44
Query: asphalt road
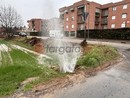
111, 83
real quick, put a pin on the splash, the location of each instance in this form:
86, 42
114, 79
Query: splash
64, 53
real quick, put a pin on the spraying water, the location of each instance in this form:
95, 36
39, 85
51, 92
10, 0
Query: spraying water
64, 53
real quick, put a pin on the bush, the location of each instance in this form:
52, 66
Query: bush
97, 56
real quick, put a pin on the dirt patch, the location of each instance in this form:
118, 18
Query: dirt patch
33, 41
39, 47
87, 49
29, 80
37, 43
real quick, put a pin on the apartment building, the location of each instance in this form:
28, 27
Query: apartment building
44, 25
107, 16
35, 25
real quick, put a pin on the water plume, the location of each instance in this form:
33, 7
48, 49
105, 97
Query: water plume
63, 52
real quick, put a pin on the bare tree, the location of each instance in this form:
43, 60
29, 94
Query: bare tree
9, 20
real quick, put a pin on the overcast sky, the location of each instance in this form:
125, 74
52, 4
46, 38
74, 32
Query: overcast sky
42, 8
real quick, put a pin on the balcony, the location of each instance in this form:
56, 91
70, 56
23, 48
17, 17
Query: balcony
72, 9
97, 14
81, 22
97, 22
81, 27
104, 22
80, 11
104, 14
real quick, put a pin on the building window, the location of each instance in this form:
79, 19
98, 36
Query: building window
67, 19
72, 18
125, 6
113, 26
113, 17
72, 26
113, 8
124, 15
67, 26
123, 25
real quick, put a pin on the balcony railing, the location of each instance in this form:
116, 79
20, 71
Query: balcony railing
104, 14
97, 14
80, 12
97, 22
81, 22
104, 22
80, 28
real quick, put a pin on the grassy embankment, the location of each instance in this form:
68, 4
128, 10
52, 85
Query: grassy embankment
98, 55
16, 66
24, 65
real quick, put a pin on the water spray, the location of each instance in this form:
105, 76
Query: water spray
65, 53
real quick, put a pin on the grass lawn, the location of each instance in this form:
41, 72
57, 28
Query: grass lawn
17, 65
21, 41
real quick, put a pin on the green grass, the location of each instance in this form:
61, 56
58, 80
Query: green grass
98, 56
22, 44
25, 65
22, 58
12, 76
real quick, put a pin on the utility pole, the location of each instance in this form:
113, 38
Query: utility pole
88, 4
85, 15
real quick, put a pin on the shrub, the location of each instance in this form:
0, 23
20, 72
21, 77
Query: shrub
97, 56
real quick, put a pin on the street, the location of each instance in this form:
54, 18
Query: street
111, 83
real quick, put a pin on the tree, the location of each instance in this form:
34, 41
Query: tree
9, 20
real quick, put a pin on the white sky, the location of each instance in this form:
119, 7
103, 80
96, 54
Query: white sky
42, 8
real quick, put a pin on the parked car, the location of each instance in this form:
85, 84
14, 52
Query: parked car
23, 34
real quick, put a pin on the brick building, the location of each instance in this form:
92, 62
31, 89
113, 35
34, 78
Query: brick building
35, 25
107, 16
44, 25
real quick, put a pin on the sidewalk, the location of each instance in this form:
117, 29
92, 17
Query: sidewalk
79, 40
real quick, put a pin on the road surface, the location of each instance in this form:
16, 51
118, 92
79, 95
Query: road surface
111, 83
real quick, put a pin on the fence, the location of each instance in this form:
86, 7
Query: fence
117, 34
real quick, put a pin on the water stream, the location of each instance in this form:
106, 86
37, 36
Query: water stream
64, 53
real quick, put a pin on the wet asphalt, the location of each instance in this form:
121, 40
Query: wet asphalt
111, 83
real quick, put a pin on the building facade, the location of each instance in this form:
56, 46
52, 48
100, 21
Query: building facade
35, 25
107, 16
44, 25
